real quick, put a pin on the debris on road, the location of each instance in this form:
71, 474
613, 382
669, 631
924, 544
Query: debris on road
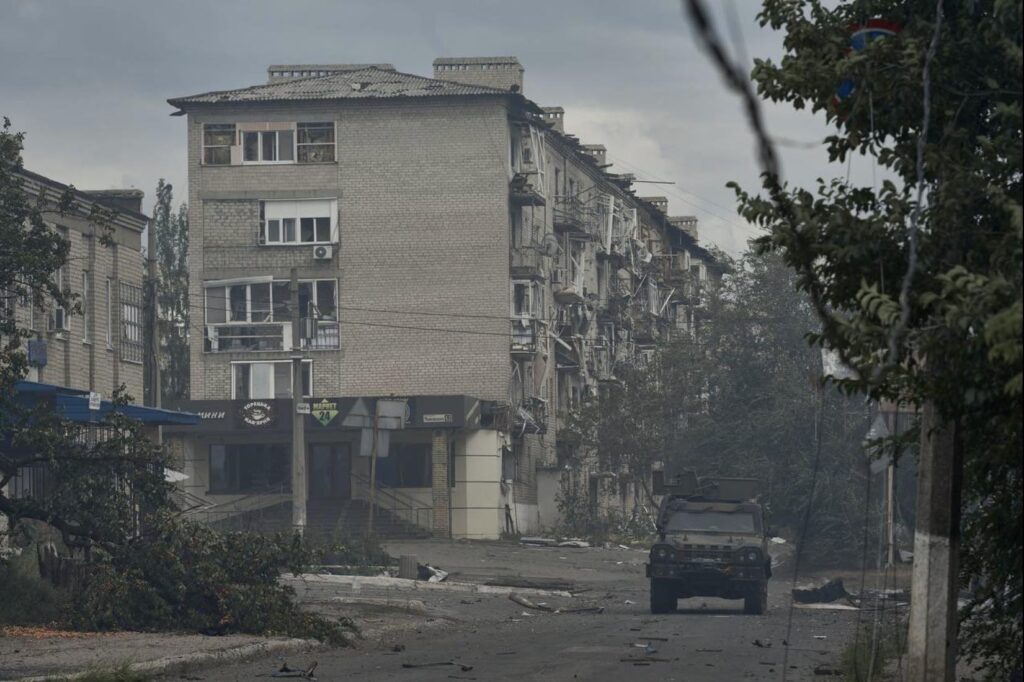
579, 544
777, 540
825, 670
820, 636
532, 583
764, 644
463, 667
543, 542
629, 602
398, 648
523, 601
431, 574
829, 592
285, 671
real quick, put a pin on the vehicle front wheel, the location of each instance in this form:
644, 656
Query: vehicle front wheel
756, 602
663, 596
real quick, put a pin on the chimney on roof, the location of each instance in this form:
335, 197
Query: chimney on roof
286, 72
597, 151
503, 73
555, 117
124, 199
660, 203
686, 223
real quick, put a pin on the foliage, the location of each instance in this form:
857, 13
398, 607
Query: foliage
27, 598
953, 338
30, 252
172, 293
764, 405
105, 490
181, 575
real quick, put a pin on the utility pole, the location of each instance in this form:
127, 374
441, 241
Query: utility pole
373, 468
298, 420
933, 591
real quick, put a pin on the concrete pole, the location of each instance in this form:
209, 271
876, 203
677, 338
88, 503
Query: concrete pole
373, 471
154, 317
298, 420
933, 600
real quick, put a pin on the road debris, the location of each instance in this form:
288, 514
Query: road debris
763, 643
829, 592
523, 601
820, 636
825, 670
531, 583
543, 542
827, 607
579, 544
285, 671
398, 647
463, 667
431, 574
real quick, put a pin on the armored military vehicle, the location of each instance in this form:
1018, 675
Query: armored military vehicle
711, 543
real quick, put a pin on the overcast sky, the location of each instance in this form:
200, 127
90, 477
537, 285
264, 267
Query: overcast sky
88, 80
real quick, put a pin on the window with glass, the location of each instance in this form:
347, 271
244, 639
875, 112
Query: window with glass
406, 466
217, 141
131, 322
268, 380
268, 146
298, 222
315, 142
86, 307
58, 314
253, 316
250, 467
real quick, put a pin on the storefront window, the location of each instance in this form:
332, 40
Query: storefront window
247, 468
406, 466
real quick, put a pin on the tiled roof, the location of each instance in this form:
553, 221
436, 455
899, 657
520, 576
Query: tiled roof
369, 83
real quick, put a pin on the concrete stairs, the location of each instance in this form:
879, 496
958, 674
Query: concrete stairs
327, 518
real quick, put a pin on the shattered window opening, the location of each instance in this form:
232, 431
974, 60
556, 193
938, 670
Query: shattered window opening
217, 141
315, 142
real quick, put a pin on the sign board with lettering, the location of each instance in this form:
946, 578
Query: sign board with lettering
303, 408
95, 400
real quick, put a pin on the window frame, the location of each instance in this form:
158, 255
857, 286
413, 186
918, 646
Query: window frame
306, 364
222, 127
234, 460
276, 132
86, 305
59, 321
263, 232
131, 324
313, 125
110, 314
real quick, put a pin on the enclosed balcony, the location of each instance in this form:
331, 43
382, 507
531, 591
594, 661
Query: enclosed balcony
524, 336
571, 216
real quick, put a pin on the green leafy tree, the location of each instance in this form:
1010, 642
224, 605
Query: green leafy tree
172, 293
917, 281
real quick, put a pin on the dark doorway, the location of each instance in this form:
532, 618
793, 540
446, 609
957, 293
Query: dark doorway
329, 474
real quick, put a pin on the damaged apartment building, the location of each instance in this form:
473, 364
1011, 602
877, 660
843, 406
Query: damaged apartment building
455, 249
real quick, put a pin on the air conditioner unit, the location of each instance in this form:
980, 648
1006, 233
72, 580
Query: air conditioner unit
323, 252
559, 276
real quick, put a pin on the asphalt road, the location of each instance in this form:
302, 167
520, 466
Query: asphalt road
488, 637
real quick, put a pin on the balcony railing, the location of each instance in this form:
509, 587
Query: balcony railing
571, 215
320, 334
233, 337
524, 336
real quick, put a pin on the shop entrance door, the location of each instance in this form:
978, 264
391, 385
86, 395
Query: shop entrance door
330, 472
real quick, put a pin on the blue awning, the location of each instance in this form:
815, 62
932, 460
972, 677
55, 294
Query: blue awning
73, 404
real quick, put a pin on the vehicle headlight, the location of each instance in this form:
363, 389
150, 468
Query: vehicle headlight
748, 555
751, 556
663, 553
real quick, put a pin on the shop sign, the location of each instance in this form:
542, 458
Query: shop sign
256, 413
324, 411
438, 419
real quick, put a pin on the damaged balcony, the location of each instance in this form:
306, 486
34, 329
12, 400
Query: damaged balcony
526, 262
571, 216
525, 332
525, 190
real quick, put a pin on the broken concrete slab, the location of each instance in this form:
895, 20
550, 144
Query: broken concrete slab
359, 582
543, 542
829, 592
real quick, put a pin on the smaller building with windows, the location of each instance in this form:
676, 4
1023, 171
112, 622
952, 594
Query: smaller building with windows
97, 345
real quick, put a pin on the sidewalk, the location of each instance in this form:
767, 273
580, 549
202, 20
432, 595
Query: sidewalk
38, 654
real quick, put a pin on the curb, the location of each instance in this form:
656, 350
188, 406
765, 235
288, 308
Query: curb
176, 663
358, 582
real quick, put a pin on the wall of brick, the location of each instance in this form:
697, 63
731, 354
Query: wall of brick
80, 356
423, 224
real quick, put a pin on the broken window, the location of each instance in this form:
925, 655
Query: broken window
525, 299
59, 321
217, 141
316, 218
315, 142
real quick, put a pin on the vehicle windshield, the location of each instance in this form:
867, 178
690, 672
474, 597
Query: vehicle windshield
711, 522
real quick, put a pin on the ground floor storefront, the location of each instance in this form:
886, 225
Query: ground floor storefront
437, 469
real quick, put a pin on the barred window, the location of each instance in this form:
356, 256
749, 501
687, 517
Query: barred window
131, 322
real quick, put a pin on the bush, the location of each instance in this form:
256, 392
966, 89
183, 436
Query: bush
27, 598
181, 575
